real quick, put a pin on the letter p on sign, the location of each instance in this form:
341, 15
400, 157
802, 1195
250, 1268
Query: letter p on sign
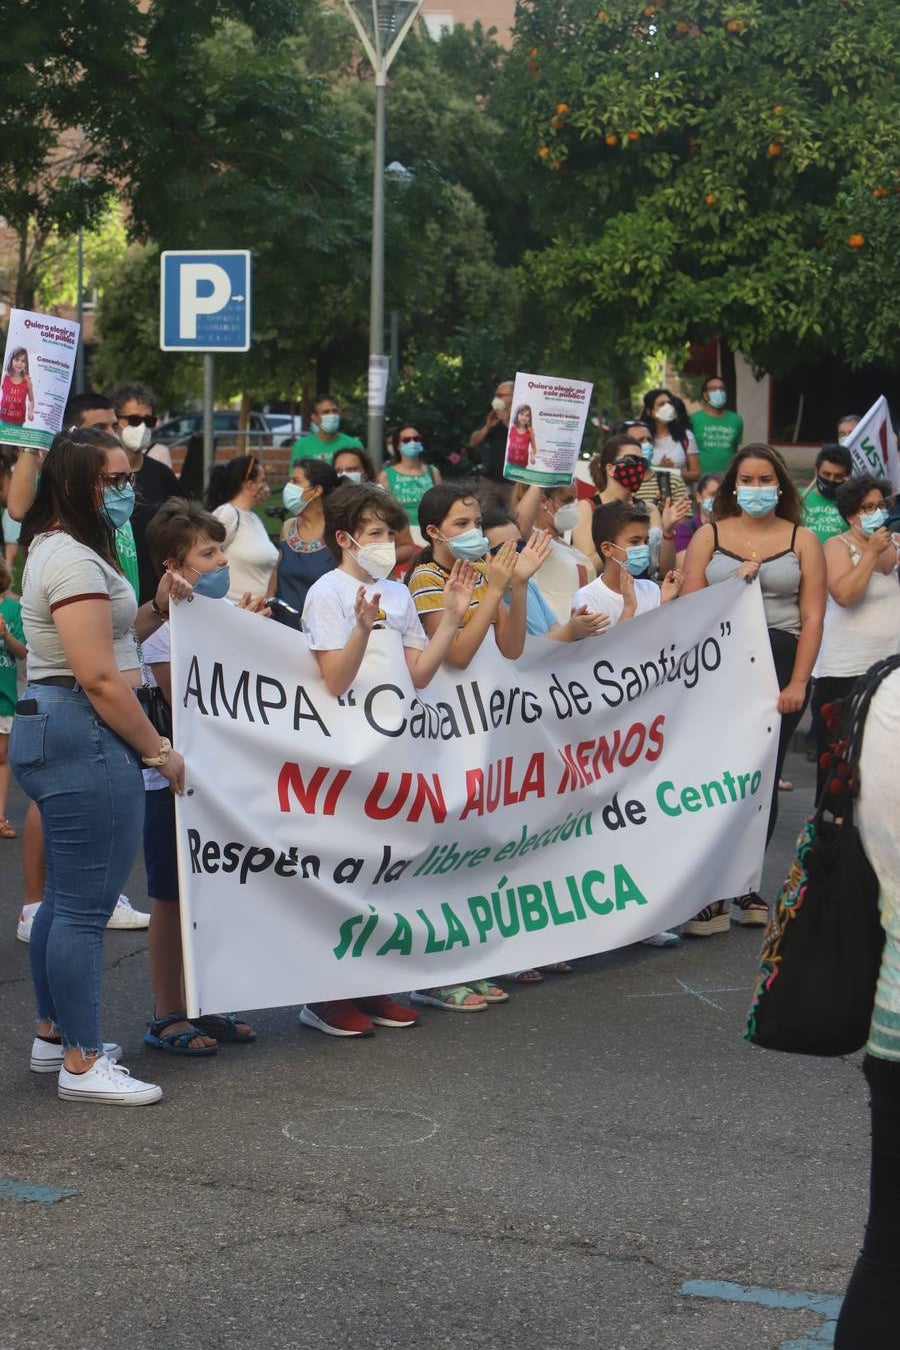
205, 300
204, 288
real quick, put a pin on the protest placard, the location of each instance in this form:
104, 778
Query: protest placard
546, 428
37, 373
513, 814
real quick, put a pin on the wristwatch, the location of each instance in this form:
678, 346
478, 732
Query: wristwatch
157, 761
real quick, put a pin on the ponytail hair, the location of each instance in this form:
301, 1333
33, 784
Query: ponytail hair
226, 480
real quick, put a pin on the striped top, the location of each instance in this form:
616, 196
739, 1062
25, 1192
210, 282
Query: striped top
427, 584
877, 826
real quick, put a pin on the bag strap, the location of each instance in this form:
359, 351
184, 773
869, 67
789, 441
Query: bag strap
842, 784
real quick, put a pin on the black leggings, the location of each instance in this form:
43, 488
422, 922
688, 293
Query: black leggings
870, 1317
784, 650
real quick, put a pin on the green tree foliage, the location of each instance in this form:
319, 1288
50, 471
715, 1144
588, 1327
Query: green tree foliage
717, 167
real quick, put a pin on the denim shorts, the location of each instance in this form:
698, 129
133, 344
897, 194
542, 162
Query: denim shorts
159, 844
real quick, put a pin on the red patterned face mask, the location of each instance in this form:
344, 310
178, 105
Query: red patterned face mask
630, 471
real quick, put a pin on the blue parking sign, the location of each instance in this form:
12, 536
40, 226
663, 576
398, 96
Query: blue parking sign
204, 300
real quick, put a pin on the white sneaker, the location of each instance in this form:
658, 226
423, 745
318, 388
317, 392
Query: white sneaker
26, 919
125, 916
107, 1083
664, 939
47, 1056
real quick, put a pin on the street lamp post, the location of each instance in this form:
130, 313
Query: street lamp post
382, 25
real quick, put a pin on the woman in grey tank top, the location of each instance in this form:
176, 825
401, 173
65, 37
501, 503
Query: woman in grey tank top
756, 534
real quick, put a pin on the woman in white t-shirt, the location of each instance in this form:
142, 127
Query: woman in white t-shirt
78, 740
674, 444
235, 490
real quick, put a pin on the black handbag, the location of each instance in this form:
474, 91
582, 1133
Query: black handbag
822, 948
157, 707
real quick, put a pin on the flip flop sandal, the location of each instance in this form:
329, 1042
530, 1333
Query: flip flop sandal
451, 998
224, 1026
7, 831
490, 992
179, 1043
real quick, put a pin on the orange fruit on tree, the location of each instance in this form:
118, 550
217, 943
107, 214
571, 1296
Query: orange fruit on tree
682, 27
634, 135
611, 138
561, 108
710, 199
856, 240
774, 149
649, 11
543, 151
880, 192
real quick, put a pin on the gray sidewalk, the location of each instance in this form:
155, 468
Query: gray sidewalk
549, 1173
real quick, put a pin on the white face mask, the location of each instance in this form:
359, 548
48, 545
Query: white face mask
136, 439
566, 517
666, 412
379, 560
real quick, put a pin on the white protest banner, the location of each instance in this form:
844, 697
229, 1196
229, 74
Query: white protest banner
509, 815
37, 372
546, 427
873, 444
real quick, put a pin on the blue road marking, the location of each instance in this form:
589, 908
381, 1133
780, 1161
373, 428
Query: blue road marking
31, 1191
824, 1305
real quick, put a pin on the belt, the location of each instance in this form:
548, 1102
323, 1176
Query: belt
58, 681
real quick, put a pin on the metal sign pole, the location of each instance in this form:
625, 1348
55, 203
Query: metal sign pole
209, 444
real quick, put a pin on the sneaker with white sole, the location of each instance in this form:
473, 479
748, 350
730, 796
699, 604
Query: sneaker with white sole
108, 1084
126, 916
47, 1056
26, 919
664, 939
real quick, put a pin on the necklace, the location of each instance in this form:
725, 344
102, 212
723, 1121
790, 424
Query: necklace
754, 554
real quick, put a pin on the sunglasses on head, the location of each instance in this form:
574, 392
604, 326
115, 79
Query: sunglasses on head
138, 419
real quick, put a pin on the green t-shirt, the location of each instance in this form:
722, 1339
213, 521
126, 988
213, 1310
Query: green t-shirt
822, 516
311, 446
126, 551
11, 611
717, 438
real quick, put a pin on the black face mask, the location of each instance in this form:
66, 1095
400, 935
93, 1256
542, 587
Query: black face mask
826, 489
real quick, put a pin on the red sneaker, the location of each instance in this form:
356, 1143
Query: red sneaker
339, 1018
387, 1012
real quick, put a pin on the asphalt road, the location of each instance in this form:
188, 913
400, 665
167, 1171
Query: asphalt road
549, 1173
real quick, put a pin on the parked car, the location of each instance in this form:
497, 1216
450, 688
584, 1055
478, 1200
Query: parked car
285, 428
179, 430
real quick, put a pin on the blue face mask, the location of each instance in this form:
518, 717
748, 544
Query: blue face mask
757, 501
717, 398
469, 546
329, 423
707, 505
411, 449
637, 559
213, 584
352, 475
118, 504
293, 498
870, 521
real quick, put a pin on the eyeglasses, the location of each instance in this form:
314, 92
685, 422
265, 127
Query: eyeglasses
119, 481
139, 419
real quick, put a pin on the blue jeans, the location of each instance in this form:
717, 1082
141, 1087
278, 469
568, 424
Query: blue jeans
87, 783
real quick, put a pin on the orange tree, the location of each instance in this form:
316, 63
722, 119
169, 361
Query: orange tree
716, 168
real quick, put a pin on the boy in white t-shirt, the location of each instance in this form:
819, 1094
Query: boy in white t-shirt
621, 534
341, 609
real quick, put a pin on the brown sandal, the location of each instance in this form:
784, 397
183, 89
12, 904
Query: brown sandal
7, 831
